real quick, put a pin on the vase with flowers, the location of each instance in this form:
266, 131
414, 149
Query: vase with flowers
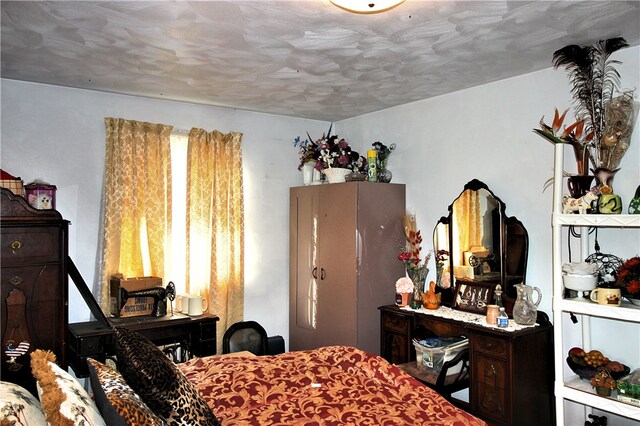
603, 382
404, 291
628, 279
383, 152
308, 153
336, 158
416, 268
601, 134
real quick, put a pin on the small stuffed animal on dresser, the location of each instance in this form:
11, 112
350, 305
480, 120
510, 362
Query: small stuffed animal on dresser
42, 202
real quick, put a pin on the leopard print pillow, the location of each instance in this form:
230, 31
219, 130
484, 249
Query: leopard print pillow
117, 402
159, 382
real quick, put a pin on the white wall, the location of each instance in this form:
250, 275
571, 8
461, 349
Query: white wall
485, 132
57, 134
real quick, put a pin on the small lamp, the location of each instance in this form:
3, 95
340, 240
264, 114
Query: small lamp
366, 6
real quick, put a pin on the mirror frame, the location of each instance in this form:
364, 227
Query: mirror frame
512, 231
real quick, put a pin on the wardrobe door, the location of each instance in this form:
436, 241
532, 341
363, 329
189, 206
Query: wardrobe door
337, 307
380, 237
303, 258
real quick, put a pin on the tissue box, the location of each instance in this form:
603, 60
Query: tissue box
41, 196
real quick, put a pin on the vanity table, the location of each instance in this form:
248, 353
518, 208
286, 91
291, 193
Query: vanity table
511, 372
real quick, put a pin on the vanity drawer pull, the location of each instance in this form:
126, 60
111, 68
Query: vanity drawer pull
490, 345
16, 280
16, 245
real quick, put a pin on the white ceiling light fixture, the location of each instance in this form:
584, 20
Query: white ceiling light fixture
366, 6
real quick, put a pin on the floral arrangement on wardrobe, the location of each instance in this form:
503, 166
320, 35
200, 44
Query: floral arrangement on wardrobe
601, 133
383, 152
329, 152
308, 150
628, 278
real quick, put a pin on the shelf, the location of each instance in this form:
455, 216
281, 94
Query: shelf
602, 220
572, 388
581, 391
625, 312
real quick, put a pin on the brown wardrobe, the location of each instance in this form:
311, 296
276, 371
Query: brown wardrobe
344, 244
34, 286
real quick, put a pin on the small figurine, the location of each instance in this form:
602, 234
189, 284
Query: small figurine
581, 205
430, 299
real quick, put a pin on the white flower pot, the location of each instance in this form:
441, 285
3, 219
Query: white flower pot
336, 174
307, 173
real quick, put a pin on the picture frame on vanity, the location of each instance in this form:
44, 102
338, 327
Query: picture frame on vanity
473, 296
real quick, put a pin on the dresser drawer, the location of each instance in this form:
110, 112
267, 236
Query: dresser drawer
490, 345
439, 327
30, 245
395, 322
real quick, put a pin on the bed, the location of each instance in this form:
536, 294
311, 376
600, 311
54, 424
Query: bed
334, 385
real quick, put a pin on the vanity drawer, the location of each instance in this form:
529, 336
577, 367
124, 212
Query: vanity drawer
439, 327
395, 322
30, 244
491, 345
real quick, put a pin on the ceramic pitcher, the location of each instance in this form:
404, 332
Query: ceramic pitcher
525, 310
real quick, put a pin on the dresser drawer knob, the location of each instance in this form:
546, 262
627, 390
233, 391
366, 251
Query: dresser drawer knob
16, 280
16, 245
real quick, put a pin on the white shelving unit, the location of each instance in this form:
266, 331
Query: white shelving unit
571, 387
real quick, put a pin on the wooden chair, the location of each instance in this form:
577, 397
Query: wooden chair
445, 383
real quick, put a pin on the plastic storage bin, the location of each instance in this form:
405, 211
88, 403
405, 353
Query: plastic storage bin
431, 353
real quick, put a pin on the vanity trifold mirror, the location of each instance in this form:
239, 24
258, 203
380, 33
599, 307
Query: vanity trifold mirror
485, 247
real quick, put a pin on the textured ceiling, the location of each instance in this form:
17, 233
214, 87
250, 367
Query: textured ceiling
299, 58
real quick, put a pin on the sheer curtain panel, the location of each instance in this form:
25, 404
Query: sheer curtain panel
215, 224
137, 200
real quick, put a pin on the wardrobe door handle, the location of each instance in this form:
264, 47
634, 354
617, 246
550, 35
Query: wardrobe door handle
314, 273
323, 275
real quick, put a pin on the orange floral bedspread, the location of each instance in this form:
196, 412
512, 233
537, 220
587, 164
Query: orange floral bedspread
335, 385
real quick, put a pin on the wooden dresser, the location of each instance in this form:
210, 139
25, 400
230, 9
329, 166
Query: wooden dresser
33, 280
511, 372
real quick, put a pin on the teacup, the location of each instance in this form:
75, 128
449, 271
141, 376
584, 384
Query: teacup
197, 305
606, 296
182, 303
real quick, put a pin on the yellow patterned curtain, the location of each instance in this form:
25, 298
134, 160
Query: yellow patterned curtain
137, 200
466, 211
215, 224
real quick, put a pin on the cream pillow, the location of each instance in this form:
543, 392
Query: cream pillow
64, 400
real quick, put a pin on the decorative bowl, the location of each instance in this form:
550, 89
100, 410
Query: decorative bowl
580, 282
587, 373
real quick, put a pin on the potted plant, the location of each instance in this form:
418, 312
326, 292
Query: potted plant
417, 270
628, 279
308, 153
602, 131
603, 382
382, 153
336, 158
